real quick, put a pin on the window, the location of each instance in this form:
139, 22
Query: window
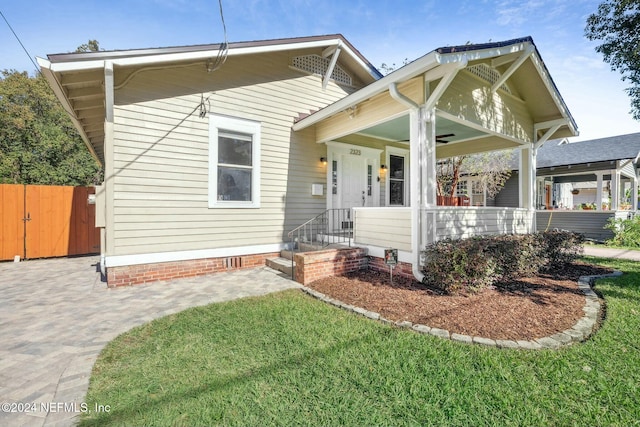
396, 180
234, 163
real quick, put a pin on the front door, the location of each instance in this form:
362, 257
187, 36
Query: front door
353, 183
355, 176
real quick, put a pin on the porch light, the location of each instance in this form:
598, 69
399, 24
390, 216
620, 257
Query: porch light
323, 160
383, 168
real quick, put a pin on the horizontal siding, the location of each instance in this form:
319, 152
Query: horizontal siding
467, 222
470, 98
383, 227
589, 223
391, 227
161, 149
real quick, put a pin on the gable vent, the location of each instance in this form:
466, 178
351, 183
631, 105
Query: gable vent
315, 64
488, 74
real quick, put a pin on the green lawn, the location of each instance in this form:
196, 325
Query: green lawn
288, 359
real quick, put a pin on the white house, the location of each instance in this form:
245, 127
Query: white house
213, 154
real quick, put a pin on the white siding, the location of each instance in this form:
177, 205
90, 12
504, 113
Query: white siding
383, 227
469, 97
391, 227
161, 147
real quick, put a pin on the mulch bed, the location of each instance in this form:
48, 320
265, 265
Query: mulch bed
523, 309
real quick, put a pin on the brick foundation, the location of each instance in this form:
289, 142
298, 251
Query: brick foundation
311, 266
402, 269
145, 273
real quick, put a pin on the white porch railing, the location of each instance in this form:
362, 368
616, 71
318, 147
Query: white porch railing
391, 227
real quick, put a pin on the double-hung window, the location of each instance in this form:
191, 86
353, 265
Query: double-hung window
234, 163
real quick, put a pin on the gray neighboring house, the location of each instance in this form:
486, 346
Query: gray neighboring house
580, 185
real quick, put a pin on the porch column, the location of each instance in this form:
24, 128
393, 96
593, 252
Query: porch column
615, 189
423, 174
634, 195
527, 181
598, 191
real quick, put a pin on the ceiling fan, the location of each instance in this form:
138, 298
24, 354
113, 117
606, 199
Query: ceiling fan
439, 138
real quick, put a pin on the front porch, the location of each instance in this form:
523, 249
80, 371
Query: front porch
383, 143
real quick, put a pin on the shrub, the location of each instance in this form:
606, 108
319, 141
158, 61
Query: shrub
456, 265
626, 232
477, 262
559, 247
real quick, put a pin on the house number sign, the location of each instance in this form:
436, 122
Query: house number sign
355, 152
391, 259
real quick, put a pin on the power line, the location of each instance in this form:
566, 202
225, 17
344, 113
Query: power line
223, 51
19, 41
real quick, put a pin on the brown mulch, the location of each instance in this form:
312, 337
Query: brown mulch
523, 309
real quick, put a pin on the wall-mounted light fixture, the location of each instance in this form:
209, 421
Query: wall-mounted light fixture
323, 160
383, 168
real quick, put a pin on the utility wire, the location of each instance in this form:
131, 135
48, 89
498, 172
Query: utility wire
223, 51
19, 41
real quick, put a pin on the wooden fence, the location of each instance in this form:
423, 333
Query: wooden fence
41, 221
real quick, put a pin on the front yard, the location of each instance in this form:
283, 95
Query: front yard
288, 359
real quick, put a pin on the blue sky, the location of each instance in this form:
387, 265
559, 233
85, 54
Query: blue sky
383, 31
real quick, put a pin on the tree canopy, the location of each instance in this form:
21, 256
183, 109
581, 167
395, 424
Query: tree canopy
38, 143
616, 24
490, 170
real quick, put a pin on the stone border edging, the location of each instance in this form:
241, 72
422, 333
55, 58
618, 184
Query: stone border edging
579, 332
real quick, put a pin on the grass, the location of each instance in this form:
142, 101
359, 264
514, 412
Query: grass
288, 359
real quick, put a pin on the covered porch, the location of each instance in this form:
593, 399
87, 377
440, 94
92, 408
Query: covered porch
383, 143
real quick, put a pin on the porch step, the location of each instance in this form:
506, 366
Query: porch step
281, 264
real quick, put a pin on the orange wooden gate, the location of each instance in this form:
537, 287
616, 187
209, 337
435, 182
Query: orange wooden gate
40, 221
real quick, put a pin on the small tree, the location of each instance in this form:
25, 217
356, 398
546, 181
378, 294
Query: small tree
491, 170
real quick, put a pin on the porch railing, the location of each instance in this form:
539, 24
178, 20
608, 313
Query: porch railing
332, 226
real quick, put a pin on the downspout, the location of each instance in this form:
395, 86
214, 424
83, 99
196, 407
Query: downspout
418, 147
415, 148
109, 96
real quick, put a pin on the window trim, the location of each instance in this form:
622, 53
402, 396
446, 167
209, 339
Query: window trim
219, 123
398, 152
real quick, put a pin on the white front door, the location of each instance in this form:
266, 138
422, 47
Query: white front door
353, 182
354, 174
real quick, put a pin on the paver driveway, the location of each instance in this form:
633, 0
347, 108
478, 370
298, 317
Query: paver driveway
56, 315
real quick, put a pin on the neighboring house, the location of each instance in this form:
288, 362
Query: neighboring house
209, 168
580, 185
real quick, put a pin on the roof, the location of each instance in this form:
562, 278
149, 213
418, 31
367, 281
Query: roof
457, 54
555, 153
78, 79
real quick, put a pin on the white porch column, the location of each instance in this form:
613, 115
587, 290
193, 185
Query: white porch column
615, 189
598, 191
527, 181
634, 195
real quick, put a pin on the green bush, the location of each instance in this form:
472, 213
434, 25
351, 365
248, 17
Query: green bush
626, 232
456, 265
559, 248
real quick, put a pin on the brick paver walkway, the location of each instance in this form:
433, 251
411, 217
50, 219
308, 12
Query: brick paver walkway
56, 315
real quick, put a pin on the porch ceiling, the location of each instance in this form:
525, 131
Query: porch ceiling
398, 129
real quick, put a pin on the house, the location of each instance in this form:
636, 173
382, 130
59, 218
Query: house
215, 154
581, 185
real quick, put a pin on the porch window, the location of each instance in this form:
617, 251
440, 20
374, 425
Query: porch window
234, 163
396, 181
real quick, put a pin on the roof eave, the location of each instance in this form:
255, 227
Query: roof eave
96, 60
56, 86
